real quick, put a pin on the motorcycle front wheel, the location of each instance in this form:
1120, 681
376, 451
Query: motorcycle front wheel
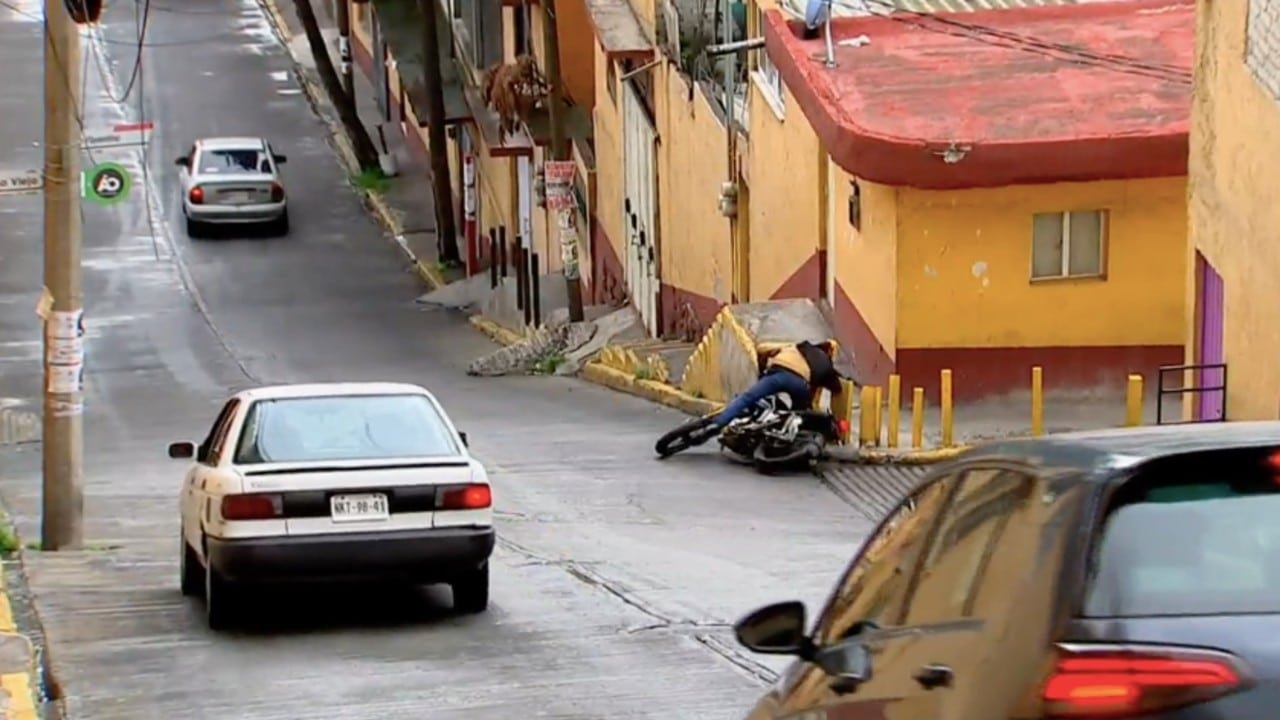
682, 438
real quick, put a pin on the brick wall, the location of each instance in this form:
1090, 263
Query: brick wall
1262, 53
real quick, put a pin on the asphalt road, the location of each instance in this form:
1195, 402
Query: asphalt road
616, 576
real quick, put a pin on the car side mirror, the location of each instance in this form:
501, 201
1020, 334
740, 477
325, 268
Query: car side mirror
280, 159
464, 439
777, 629
182, 162
182, 450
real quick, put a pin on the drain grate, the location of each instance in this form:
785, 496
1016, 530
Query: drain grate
873, 490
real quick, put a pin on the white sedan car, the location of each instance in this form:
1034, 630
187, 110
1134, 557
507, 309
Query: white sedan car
333, 481
233, 180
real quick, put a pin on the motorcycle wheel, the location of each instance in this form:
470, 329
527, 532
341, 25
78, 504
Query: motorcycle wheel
803, 454
680, 439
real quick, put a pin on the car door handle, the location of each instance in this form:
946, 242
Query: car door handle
933, 675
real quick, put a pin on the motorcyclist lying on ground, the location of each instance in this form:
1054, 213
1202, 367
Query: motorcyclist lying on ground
798, 370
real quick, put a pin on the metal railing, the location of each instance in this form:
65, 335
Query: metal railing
1197, 387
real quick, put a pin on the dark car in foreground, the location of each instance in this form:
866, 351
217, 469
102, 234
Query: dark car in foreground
1127, 573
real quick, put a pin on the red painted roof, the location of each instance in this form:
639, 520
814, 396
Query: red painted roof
1011, 86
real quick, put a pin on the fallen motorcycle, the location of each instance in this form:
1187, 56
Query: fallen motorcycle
772, 438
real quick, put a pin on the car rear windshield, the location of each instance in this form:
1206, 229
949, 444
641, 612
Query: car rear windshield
1196, 534
239, 160
361, 427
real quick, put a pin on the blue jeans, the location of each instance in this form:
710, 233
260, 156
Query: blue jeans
776, 382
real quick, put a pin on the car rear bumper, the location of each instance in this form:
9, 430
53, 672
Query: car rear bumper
428, 555
235, 213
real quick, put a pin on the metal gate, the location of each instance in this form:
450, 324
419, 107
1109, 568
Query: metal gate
638, 208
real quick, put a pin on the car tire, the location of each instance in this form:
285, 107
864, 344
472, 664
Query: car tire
280, 226
191, 579
471, 591
222, 600
195, 228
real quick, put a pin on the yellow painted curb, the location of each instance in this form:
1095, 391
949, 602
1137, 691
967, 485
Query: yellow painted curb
653, 390
18, 686
502, 335
911, 457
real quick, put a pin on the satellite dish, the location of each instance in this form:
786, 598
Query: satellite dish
816, 13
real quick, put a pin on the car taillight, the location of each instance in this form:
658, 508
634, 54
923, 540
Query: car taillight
251, 507
196, 195
842, 427
1099, 682
468, 497
277, 192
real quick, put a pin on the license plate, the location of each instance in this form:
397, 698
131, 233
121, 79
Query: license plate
239, 198
359, 508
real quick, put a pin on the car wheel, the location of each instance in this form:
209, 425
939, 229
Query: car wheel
222, 600
280, 226
190, 577
195, 228
471, 591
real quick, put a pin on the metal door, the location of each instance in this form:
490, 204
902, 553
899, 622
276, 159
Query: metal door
1211, 306
638, 207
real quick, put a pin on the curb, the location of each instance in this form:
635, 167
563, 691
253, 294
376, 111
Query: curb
17, 687
372, 201
502, 335
910, 457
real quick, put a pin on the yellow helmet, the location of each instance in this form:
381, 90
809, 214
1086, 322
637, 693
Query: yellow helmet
834, 346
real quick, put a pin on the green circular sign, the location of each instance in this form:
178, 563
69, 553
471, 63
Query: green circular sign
107, 183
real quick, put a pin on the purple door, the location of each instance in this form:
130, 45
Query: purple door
1209, 304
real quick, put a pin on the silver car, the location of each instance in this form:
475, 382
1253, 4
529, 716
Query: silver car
233, 181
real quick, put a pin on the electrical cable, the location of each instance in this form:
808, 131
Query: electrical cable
950, 25
140, 23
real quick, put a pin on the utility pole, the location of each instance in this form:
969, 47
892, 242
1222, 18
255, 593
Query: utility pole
559, 147
62, 507
344, 52
366, 153
432, 77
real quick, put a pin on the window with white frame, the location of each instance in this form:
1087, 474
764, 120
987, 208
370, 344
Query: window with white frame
1068, 244
768, 79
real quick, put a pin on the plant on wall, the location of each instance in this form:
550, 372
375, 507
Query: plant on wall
514, 90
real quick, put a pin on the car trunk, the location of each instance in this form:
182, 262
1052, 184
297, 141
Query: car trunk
349, 497
240, 189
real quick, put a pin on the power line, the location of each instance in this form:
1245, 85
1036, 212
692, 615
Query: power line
996, 37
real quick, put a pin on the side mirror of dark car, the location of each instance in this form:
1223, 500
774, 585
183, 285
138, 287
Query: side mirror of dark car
465, 441
280, 159
182, 450
182, 162
777, 629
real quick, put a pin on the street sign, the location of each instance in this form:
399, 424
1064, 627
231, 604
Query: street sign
21, 182
118, 135
107, 183
559, 183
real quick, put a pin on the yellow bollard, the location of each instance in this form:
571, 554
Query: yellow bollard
945, 401
917, 417
878, 415
1037, 400
842, 409
1133, 401
866, 416
895, 409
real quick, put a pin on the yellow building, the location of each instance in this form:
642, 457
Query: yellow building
1233, 257
494, 176
978, 217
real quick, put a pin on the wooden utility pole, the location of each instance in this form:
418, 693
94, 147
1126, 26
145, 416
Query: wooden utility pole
559, 146
344, 52
62, 507
432, 77
366, 153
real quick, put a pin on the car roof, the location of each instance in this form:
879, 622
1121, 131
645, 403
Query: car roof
231, 143
330, 389
1126, 447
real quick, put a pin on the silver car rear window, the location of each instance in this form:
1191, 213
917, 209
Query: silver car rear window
234, 161
355, 427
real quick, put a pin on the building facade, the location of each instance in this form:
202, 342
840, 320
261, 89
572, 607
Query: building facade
1232, 253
